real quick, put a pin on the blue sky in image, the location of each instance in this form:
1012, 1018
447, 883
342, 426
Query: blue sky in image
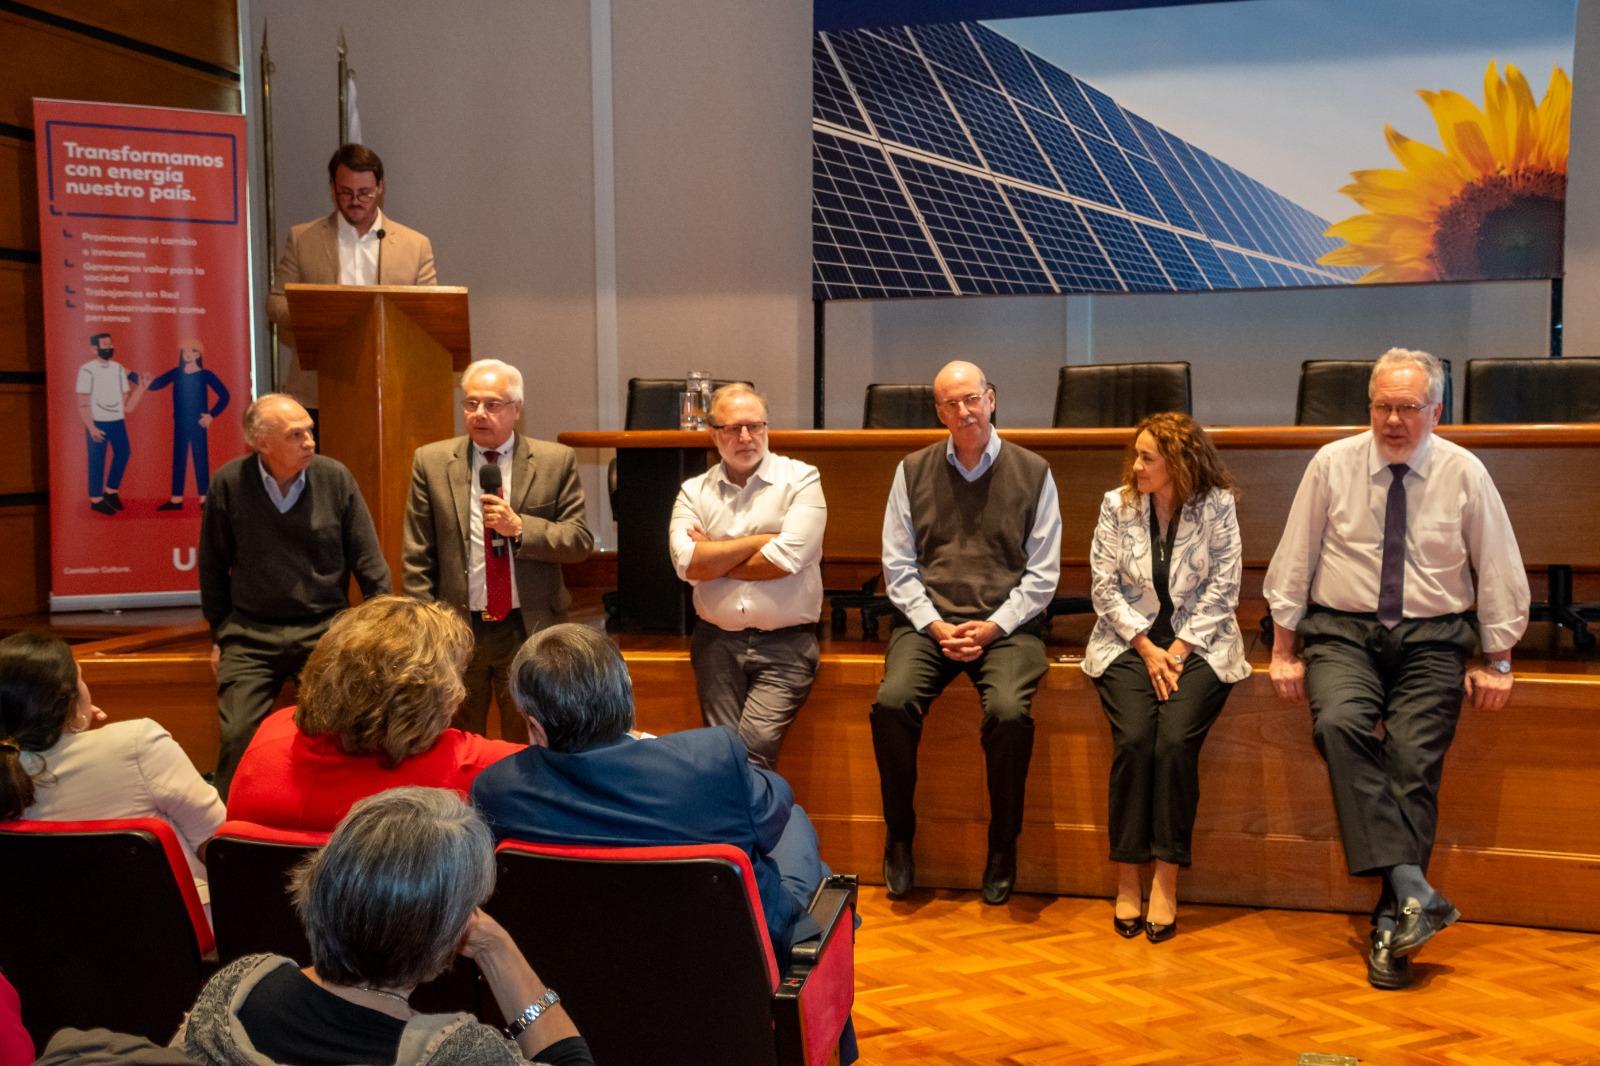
1295, 93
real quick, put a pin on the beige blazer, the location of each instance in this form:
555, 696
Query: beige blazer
311, 257
546, 494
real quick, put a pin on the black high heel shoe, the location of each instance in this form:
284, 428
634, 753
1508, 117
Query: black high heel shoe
1127, 928
1157, 933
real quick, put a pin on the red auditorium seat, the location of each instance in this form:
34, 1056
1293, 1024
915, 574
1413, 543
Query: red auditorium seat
661, 954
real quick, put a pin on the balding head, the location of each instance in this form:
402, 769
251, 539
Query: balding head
278, 429
964, 400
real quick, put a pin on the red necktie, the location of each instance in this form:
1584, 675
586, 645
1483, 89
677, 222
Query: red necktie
496, 568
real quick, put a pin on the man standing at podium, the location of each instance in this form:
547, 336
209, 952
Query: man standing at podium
355, 245
282, 532
491, 518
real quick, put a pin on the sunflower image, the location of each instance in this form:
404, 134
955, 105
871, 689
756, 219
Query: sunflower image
1491, 204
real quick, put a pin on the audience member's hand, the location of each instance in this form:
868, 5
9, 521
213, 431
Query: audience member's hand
484, 936
1488, 690
698, 535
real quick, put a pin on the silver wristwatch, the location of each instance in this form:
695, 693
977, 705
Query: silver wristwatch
1499, 666
530, 1014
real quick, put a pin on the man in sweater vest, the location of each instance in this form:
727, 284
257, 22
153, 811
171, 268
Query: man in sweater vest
282, 532
971, 558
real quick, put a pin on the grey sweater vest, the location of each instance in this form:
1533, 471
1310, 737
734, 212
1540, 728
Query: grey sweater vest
970, 535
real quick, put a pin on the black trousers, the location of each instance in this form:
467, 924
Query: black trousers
494, 645
915, 671
1155, 761
257, 657
1359, 674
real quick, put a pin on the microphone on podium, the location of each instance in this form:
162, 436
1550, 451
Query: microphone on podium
378, 278
489, 481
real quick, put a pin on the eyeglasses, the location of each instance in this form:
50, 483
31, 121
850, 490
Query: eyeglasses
974, 400
490, 407
734, 429
1404, 410
360, 196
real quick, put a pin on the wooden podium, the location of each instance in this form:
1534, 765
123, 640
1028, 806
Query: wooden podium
386, 357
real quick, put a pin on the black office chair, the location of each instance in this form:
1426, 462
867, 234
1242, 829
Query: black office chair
1108, 395
1541, 390
1333, 392
885, 407
1105, 395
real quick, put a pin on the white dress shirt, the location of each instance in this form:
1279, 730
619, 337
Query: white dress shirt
477, 572
1332, 547
131, 769
782, 496
903, 579
358, 253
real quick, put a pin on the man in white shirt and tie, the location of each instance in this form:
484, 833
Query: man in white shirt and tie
491, 517
1374, 574
354, 245
747, 534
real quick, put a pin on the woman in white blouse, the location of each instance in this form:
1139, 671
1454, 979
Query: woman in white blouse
55, 768
1165, 652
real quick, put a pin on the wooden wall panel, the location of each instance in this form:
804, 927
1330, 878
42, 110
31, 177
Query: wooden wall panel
43, 61
21, 318
208, 32
19, 201
25, 563
22, 459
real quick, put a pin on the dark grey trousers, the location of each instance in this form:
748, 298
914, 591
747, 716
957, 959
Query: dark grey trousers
915, 671
754, 682
494, 645
1155, 761
1358, 674
257, 658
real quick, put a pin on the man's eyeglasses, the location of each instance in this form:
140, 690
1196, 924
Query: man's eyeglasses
1404, 410
974, 400
360, 196
734, 429
490, 407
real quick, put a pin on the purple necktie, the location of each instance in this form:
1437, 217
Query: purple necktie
1392, 578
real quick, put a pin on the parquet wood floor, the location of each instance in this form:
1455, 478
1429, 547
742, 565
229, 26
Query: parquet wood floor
942, 980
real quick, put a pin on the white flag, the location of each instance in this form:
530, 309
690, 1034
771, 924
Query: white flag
352, 116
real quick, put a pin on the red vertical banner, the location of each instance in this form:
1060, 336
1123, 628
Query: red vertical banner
147, 340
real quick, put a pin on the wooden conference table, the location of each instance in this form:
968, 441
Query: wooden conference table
1549, 476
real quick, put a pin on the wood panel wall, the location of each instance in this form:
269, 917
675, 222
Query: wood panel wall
158, 53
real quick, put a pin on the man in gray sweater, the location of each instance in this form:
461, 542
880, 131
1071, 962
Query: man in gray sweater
283, 531
971, 557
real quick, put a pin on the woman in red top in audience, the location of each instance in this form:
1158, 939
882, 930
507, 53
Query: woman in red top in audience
376, 699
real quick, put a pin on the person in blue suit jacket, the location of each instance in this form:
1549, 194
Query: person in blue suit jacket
191, 414
584, 780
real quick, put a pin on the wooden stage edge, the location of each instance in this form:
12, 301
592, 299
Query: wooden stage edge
1518, 839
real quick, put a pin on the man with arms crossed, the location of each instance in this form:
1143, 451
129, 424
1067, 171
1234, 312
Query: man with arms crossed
748, 535
1374, 574
281, 534
494, 555
971, 558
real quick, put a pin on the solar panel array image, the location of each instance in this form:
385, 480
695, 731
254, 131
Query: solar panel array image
948, 160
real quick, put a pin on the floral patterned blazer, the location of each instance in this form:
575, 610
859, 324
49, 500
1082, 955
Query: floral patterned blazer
1203, 581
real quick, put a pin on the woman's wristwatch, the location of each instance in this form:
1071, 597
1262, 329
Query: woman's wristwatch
1499, 666
530, 1014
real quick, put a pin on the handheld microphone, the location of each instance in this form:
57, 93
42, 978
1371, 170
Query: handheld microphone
379, 278
489, 481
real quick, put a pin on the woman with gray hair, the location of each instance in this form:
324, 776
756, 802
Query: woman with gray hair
395, 895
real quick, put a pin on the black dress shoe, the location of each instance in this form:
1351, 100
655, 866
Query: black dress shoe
1157, 933
1127, 928
999, 876
1385, 969
1419, 923
899, 868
